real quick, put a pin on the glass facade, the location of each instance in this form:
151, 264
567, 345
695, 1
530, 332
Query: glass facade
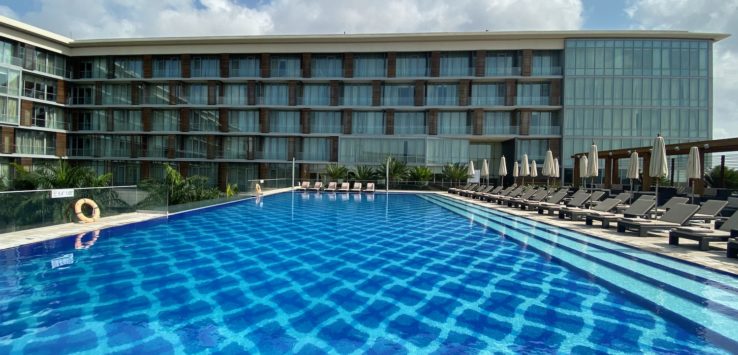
622, 93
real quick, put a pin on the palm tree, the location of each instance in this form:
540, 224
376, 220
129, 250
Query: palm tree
176, 189
455, 172
422, 174
365, 173
397, 169
336, 172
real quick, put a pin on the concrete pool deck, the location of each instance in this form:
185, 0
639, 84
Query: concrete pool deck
687, 250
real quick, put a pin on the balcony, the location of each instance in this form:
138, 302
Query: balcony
502, 71
409, 130
467, 71
442, 101
39, 94
487, 100
544, 130
80, 100
454, 130
233, 100
536, 101
35, 149
548, 71
500, 130
356, 101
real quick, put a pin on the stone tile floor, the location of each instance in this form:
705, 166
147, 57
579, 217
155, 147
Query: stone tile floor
687, 250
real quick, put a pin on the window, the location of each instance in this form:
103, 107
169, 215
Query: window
533, 94
246, 66
398, 95
204, 121
93, 68
8, 110
285, 66
363, 122
205, 67
275, 94
82, 94
284, 121
166, 67
243, 121
39, 88
35, 142
502, 64
48, 117
455, 64
198, 94
165, 120
316, 94
546, 63
498, 123
116, 94
158, 94
127, 120
357, 95
127, 67
442, 95
488, 94
325, 122
235, 94
410, 123
10, 81
326, 66
370, 65
454, 123
317, 149
412, 65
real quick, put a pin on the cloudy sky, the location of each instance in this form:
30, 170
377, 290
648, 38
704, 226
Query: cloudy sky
131, 18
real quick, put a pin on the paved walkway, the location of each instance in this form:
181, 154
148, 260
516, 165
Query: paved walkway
688, 251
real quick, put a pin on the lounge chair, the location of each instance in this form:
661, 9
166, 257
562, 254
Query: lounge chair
595, 198
455, 190
318, 185
514, 192
468, 193
624, 197
496, 192
474, 187
576, 214
709, 210
669, 204
676, 216
538, 196
523, 196
369, 187
639, 208
344, 187
481, 192
331, 187
554, 199
704, 235
357, 187
303, 186
492, 191
577, 201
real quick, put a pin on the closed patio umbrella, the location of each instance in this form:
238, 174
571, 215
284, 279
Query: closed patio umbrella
593, 170
694, 167
632, 171
470, 170
548, 166
659, 167
533, 169
583, 171
516, 170
503, 169
485, 170
524, 168
556, 174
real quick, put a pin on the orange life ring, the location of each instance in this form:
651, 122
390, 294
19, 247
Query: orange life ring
79, 244
258, 189
81, 216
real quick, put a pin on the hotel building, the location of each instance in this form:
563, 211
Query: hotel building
240, 108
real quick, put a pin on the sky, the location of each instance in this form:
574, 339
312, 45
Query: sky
83, 19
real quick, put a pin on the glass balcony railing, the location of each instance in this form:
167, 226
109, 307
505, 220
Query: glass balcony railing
500, 130
536, 101
544, 130
39, 94
545, 71
467, 71
487, 101
233, 100
442, 101
355, 101
454, 130
80, 100
35, 149
327, 129
401, 130
502, 71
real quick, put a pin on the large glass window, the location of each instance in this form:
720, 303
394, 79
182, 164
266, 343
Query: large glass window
357, 95
318, 149
502, 63
325, 122
194, 147
235, 147
410, 123
204, 121
533, 94
93, 68
284, 121
373, 151
235, 94
244, 66
10, 81
367, 122
165, 120
275, 94
82, 95
498, 123
412, 64
275, 148
442, 95
8, 110
285, 66
157, 94
243, 121
48, 116
127, 120
39, 88
35, 142
454, 123
316, 94
398, 95
205, 67
370, 65
127, 67
197, 94
546, 63
488, 94
326, 66
166, 67
116, 94
455, 64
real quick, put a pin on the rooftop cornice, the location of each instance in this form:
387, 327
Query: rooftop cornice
354, 38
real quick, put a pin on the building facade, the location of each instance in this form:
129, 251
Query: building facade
236, 109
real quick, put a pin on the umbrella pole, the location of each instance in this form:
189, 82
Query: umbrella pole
631, 191
692, 191
657, 196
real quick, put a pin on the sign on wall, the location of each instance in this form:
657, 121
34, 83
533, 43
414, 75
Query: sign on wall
62, 193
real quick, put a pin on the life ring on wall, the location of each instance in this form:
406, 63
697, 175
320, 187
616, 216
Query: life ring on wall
81, 216
258, 189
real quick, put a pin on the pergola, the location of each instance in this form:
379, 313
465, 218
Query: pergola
612, 157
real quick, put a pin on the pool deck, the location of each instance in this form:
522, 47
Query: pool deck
687, 250
35, 235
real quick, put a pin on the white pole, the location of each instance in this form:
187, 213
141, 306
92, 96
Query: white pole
293, 174
386, 185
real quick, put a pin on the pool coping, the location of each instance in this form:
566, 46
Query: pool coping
713, 259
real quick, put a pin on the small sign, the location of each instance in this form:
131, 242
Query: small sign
62, 193
66, 259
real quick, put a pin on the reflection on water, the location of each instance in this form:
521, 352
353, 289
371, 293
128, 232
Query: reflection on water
80, 243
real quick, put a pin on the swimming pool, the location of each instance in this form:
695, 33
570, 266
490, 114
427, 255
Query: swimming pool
341, 273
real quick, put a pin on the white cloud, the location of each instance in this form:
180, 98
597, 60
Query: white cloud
702, 15
137, 18
7, 12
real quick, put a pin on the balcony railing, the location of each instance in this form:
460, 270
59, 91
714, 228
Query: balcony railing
536, 101
455, 130
544, 130
356, 101
80, 100
400, 130
545, 71
467, 71
39, 94
502, 71
487, 101
442, 101
32, 149
501, 130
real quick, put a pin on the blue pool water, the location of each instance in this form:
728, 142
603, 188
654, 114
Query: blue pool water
309, 273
